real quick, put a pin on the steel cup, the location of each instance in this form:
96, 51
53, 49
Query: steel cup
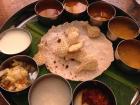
124, 47
125, 21
100, 12
72, 12
55, 9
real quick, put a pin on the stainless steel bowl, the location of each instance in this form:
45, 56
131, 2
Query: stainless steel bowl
49, 4
119, 60
92, 84
47, 78
32, 72
100, 9
123, 20
24, 51
70, 16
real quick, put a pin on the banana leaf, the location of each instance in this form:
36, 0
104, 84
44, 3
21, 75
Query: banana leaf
123, 85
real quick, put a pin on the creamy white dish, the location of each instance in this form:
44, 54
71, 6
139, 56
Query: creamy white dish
50, 91
14, 42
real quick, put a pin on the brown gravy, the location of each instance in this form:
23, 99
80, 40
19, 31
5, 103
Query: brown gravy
75, 6
123, 29
129, 52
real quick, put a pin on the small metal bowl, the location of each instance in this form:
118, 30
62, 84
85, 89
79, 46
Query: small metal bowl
12, 40
94, 84
78, 15
32, 71
52, 7
125, 21
100, 12
125, 48
49, 80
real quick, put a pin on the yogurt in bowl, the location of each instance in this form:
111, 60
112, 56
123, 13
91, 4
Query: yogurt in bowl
14, 41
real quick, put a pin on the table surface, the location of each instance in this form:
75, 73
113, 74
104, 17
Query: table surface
9, 7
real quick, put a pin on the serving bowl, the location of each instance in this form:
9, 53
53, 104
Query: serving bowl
100, 12
75, 9
127, 56
122, 28
15, 41
49, 12
93, 92
17, 73
50, 89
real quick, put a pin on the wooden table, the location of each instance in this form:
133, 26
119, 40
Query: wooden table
9, 7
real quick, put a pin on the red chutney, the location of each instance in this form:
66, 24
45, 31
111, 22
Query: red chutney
95, 97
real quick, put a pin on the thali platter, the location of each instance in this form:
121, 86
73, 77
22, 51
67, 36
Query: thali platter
123, 85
